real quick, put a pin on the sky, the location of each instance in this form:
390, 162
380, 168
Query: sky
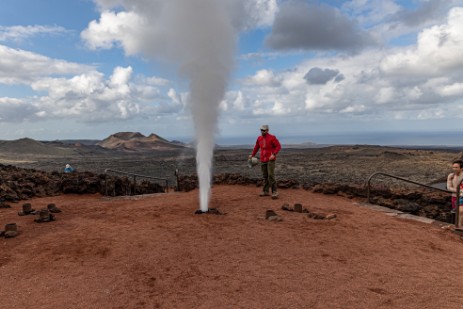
83, 69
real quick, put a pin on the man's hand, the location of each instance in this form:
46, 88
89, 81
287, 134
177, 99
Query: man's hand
250, 157
272, 157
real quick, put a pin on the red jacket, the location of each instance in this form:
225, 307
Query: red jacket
268, 145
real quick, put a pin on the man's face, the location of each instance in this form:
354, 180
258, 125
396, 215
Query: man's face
263, 132
456, 168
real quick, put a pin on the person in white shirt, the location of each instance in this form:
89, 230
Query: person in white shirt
453, 180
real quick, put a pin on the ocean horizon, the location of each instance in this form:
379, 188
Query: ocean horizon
444, 139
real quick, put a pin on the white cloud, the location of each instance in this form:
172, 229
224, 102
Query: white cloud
263, 78
382, 84
353, 109
90, 97
14, 110
20, 33
455, 89
431, 114
240, 102
280, 109
438, 51
21, 67
115, 28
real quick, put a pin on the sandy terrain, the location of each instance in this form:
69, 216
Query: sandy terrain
154, 252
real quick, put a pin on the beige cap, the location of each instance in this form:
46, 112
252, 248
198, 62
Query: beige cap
264, 127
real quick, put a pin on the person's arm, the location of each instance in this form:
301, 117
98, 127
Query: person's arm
450, 183
276, 146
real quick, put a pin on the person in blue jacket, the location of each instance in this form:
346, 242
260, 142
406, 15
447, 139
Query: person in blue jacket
68, 169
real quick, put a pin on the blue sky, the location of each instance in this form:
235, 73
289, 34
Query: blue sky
83, 69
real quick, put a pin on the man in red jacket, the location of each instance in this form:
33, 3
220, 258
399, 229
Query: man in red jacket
269, 147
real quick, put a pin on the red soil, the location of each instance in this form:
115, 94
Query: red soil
154, 252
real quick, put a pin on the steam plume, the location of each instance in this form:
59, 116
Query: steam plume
196, 35
204, 42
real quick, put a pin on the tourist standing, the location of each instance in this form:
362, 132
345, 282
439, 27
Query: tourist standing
269, 147
453, 180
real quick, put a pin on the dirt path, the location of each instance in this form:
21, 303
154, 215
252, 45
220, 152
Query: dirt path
154, 252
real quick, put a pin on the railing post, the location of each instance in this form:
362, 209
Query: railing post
134, 190
105, 184
368, 186
176, 177
458, 224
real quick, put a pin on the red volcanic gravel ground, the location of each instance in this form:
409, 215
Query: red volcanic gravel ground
154, 252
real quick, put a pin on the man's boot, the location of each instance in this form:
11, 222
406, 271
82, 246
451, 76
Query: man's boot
275, 195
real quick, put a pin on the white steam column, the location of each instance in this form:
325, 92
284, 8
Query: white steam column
206, 37
197, 36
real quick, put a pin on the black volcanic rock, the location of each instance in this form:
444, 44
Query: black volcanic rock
21, 184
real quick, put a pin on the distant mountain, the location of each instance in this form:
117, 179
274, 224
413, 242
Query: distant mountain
136, 142
30, 146
75, 142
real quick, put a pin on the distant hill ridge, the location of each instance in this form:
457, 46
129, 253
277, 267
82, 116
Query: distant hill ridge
135, 141
31, 146
121, 141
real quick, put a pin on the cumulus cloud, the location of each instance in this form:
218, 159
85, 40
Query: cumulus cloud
16, 110
263, 78
438, 51
113, 29
299, 25
317, 76
89, 97
19, 66
423, 81
455, 89
92, 97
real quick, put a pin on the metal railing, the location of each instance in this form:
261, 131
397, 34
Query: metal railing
106, 171
457, 210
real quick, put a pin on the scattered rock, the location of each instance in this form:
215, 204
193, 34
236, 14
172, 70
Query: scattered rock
275, 218
316, 216
321, 216
297, 207
11, 230
52, 208
27, 210
272, 216
44, 216
330, 216
3, 205
286, 207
